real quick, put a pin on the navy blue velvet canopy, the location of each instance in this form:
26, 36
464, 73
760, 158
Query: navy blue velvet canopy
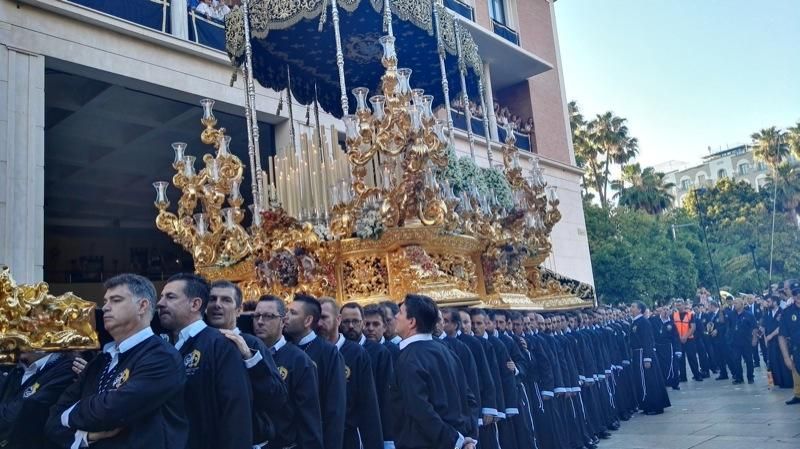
307, 50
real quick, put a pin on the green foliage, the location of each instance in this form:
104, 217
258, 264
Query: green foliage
462, 173
634, 258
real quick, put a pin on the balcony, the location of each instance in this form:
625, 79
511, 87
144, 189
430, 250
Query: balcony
505, 32
460, 8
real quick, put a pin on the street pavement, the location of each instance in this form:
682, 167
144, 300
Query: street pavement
714, 414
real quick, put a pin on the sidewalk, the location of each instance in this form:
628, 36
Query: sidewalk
716, 415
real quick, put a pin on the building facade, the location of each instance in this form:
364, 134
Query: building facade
737, 163
93, 92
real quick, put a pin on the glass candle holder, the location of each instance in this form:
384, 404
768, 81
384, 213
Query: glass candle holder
389, 53
361, 99
427, 107
161, 194
224, 146
235, 194
416, 97
416, 118
351, 126
200, 224
228, 218
378, 107
188, 166
552, 194
208, 111
404, 81
438, 129
180, 152
212, 168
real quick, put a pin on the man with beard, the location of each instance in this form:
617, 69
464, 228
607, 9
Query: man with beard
269, 391
428, 392
382, 363
132, 394
301, 320
298, 425
718, 338
362, 419
218, 395
651, 392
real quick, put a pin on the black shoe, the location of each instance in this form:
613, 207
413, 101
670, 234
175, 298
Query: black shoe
676, 387
651, 413
604, 435
723, 377
590, 446
738, 382
706, 375
683, 379
751, 381
792, 401
697, 379
595, 440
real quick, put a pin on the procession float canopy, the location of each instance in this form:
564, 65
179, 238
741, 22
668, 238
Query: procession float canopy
378, 212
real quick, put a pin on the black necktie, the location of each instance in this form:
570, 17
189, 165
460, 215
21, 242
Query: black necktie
107, 376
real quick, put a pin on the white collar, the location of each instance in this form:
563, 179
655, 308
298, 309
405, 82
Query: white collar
637, 317
485, 336
39, 364
415, 338
130, 342
278, 345
396, 339
237, 331
383, 339
458, 333
496, 333
307, 339
189, 331
362, 340
340, 342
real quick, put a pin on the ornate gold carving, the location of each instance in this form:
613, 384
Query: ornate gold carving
31, 319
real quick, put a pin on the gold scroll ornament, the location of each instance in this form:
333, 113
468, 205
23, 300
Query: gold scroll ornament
31, 319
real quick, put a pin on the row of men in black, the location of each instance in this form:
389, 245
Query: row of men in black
526, 380
726, 337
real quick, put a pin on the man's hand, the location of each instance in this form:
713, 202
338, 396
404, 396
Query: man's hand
488, 419
511, 366
469, 443
647, 365
93, 437
239, 342
78, 365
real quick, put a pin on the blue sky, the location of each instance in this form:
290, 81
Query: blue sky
687, 74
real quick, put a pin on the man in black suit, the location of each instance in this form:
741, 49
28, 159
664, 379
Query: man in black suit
26, 395
299, 424
431, 410
218, 394
269, 391
131, 395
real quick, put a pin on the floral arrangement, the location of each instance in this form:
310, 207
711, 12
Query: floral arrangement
370, 223
323, 232
462, 173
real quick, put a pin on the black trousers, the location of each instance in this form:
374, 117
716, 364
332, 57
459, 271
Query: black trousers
721, 353
764, 354
702, 355
689, 350
711, 351
742, 351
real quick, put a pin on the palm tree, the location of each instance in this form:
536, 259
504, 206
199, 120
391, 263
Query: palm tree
610, 135
793, 139
786, 190
770, 146
643, 189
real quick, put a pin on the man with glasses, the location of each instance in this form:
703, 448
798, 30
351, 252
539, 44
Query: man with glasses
299, 422
362, 428
269, 391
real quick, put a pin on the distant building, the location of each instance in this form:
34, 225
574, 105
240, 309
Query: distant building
736, 163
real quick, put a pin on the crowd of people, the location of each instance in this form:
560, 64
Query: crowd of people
213, 9
192, 369
731, 339
503, 115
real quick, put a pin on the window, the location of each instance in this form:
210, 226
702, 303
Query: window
701, 179
744, 168
497, 11
686, 183
722, 173
762, 166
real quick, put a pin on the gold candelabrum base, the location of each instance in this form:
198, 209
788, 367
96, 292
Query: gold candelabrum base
31, 319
